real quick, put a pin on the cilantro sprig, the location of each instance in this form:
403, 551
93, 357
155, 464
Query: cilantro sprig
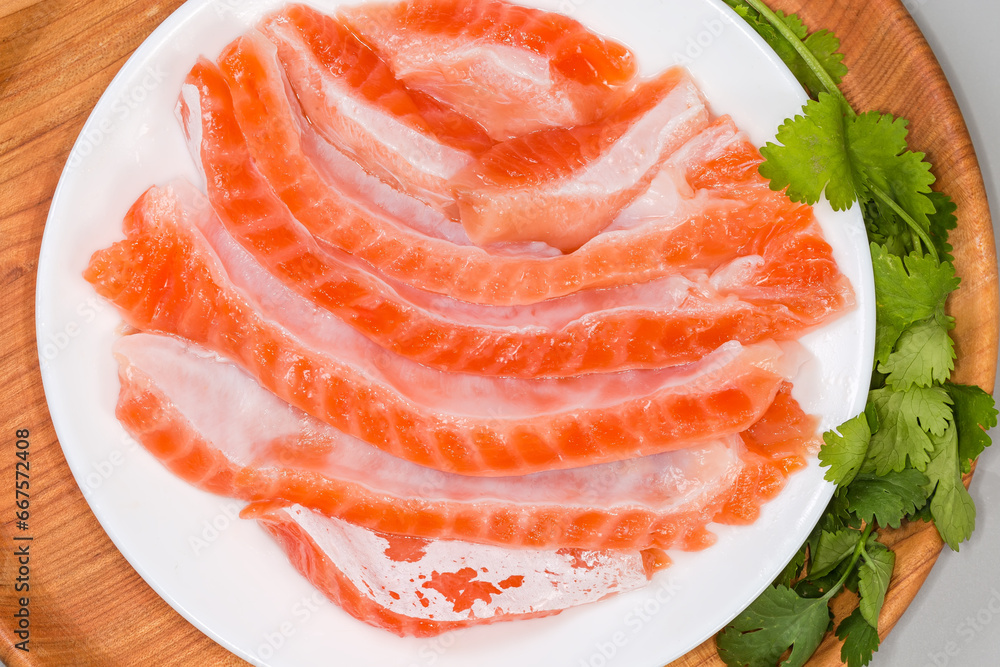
905, 456
830, 147
793, 621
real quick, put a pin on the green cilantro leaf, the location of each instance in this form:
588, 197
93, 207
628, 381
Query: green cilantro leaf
850, 158
952, 507
975, 412
931, 405
887, 499
797, 25
837, 517
875, 573
853, 579
925, 355
845, 452
827, 585
922, 514
833, 549
907, 291
823, 44
880, 158
885, 228
776, 621
793, 570
839, 514
861, 640
812, 157
942, 221
781, 47
905, 418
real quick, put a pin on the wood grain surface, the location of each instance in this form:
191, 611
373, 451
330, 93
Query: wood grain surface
87, 605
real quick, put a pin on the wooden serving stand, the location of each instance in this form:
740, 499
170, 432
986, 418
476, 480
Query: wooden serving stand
87, 605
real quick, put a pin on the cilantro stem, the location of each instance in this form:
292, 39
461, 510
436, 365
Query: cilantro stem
811, 61
917, 230
858, 550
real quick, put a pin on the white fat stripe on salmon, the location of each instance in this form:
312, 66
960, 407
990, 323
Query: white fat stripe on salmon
670, 199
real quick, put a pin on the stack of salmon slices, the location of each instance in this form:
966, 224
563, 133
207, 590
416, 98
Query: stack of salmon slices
478, 323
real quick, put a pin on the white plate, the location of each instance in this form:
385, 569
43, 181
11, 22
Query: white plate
225, 575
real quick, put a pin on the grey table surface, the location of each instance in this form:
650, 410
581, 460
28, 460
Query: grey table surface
955, 619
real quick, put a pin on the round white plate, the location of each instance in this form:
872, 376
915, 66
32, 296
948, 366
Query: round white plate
224, 574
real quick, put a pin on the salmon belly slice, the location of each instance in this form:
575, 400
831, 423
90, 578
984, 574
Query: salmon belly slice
356, 103
314, 361
563, 185
210, 423
511, 68
708, 206
416, 588
553, 339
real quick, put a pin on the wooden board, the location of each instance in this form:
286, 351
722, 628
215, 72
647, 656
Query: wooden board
87, 605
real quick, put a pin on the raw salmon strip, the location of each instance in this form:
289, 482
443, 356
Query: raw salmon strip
707, 207
564, 185
214, 426
454, 584
184, 290
585, 333
355, 102
511, 68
